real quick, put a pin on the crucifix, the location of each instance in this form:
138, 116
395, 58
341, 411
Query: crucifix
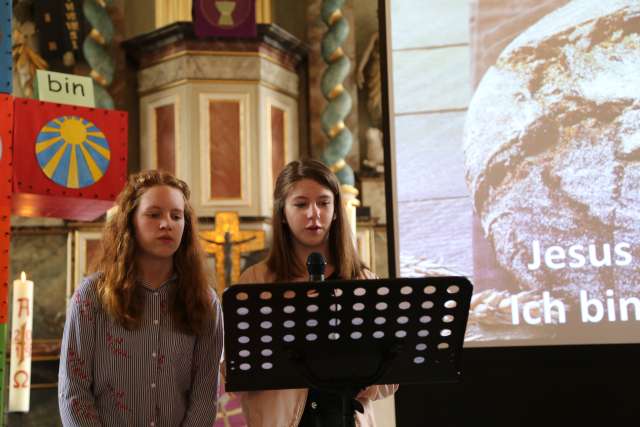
227, 242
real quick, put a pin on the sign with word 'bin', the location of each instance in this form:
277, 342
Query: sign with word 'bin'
64, 88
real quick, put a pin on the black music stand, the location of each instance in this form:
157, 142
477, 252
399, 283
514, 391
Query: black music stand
342, 336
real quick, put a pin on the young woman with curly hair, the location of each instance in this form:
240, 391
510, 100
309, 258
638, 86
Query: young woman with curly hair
143, 336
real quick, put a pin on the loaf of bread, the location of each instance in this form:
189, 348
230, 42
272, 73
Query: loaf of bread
552, 152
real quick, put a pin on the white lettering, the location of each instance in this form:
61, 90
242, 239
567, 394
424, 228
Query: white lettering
535, 264
586, 304
553, 254
606, 255
555, 257
625, 257
548, 305
526, 313
624, 308
515, 313
575, 252
611, 309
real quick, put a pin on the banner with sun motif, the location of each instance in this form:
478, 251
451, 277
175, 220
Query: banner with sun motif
72, 152
6, 62
69, 161
224, 18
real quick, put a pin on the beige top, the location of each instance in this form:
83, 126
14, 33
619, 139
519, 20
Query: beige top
284, 408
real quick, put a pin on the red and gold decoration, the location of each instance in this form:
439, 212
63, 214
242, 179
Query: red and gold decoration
224, 18
69, 162
227, 242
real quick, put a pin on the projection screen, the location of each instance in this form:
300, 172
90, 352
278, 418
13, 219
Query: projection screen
516, 147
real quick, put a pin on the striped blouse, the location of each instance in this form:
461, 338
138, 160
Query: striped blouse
151, 376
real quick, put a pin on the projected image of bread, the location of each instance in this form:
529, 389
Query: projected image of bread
552, 152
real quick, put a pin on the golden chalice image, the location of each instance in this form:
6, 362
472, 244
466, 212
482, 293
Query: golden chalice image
226, 8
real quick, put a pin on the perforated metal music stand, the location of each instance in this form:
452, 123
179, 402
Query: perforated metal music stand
342, 336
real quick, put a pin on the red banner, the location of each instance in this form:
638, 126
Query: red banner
6, 124
69, 162
224, 18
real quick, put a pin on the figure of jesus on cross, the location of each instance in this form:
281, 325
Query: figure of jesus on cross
227, 242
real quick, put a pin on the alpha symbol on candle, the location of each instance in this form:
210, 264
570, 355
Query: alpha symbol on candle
23, 303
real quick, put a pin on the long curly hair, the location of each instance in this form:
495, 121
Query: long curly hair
342, 252
121, 297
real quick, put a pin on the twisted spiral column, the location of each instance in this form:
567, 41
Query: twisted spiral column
338, 103
338, 99
95, 49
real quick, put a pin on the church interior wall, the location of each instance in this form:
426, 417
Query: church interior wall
47, 248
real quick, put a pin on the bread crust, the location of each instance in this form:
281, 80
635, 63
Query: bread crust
552, 148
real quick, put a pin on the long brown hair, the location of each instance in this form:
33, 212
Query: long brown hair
342, 253
190, 304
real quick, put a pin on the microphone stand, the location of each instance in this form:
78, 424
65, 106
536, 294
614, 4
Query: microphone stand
316, 265
346, 392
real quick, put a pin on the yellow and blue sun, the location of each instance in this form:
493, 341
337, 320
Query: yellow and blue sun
72, 152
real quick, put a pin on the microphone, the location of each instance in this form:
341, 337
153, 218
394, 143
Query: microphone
315, 267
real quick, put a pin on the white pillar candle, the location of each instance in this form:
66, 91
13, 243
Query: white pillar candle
21, 327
